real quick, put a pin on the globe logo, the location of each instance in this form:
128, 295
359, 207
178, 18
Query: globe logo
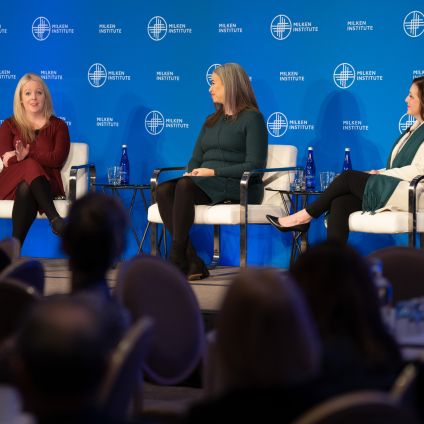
281, 27
413, 24
405, 122
344, 75
157, 28
277, 124
209, 72
154, 122
41, 28
97, 75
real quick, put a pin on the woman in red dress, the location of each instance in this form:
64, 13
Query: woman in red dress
34, 145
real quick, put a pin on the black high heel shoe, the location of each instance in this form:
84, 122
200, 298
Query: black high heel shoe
197, 270
301, 228
57, 225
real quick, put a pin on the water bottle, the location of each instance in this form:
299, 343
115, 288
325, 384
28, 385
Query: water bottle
347, 163
310, 170
384, 291
125, 166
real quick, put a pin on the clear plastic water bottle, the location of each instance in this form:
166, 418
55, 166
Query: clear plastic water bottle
384, 291
125, 166
310, 170
347, 162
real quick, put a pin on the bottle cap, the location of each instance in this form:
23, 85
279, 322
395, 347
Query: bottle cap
124, 145
347, 149
310, 148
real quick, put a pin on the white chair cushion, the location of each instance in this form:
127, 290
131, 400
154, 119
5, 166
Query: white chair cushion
224, 214
6, 207
386, 222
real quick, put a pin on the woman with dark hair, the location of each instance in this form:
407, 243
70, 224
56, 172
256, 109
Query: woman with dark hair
34, 145
232, 140
374, 190
358, 351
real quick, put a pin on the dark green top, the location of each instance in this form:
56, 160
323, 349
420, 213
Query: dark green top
231, 147
379, 188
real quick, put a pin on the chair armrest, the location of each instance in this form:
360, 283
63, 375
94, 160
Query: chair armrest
244, 185
245, 179
155, 177
73, 179
412, 203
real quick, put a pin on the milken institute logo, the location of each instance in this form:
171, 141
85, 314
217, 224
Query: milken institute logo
97, 75
157, 28
154, 122
277, 124
41, 28
344, 75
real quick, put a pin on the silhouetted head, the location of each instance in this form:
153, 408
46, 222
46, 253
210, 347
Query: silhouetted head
95, 233
62, 351
338, 286
265, 333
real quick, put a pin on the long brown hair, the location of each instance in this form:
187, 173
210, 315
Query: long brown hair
239, 93
19, 116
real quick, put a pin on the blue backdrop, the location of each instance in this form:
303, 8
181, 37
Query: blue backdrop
136, 72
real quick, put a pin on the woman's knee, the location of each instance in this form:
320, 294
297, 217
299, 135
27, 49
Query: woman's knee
165, 191
345, 205
185, 185
22, 190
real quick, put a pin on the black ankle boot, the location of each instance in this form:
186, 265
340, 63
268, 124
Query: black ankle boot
197, 269
178, 256
58, 225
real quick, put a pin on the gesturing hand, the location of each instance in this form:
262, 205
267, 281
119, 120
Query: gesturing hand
21, 151
7, 156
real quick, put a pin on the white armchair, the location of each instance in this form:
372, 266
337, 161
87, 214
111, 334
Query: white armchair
281, 159
75, 173
395, 222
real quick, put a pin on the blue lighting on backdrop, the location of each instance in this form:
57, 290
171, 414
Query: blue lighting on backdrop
326, 74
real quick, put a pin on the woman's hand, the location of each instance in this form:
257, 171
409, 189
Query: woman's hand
374, 171
21, 151
200, 172
7, 156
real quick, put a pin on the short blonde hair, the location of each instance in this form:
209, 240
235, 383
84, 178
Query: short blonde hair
19, 115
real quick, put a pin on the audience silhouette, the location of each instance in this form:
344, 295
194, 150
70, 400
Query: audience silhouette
61, 357
358, 351
266, 354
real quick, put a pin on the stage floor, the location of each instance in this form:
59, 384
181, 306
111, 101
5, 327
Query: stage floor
209, 292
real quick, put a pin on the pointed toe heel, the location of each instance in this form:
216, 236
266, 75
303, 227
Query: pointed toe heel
301, 228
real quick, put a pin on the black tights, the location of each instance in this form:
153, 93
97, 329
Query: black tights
29, 199
342, 197
176, 200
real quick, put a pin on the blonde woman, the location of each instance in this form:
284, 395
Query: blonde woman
34, 145
232, 140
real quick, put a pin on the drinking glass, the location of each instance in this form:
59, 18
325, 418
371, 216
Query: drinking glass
114, 175
326, 177
297, 180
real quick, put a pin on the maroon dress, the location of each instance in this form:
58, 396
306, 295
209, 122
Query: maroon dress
47, 154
